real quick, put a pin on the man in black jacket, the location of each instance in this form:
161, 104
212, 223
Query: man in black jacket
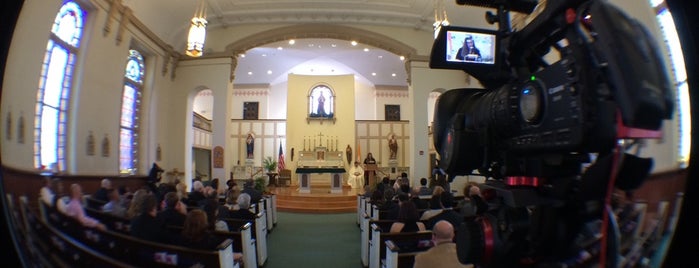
174, 213
147, 226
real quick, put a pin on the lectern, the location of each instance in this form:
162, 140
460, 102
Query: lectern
370, 170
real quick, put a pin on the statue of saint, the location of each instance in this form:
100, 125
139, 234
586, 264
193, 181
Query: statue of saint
321, 104
393, 146
250, 145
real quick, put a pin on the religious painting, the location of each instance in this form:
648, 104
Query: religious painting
392, 112
251, 110
321, 102
218, 157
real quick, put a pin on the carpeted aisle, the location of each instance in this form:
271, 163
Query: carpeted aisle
314, 240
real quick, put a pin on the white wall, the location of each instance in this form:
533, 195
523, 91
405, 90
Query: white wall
386, 95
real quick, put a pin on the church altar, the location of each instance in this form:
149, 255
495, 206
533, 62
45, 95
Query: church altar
320, 160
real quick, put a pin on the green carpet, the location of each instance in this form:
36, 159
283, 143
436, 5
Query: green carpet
314, 240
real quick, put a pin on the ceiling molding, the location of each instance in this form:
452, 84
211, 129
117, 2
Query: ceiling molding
322, 31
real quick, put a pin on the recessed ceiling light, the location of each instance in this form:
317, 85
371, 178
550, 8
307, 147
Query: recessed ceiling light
264, 55
354, 43
402, 57
241, 55
292, 41
374, 74
269, 71
280, 48
380, 56
366, 50
334, 45
311, 45
249, 73
393, 74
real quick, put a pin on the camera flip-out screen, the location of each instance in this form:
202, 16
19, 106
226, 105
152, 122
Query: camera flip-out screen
472, 50
468, 46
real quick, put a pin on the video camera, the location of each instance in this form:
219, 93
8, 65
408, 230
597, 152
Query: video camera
537, 125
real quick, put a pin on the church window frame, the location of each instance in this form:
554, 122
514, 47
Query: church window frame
55, 84
317, 92
132, 92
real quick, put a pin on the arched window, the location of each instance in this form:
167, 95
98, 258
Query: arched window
56, 81
130, 105
321, 102
672, 41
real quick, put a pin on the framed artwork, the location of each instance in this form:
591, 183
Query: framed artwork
392, 112
251, 110
8, 126
218, 157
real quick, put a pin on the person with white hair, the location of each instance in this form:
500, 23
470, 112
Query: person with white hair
75, 209
102, 194
197, 195
243, 211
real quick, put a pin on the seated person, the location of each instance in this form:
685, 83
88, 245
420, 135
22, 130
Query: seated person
174, 211
443, 253
211, 207
407, 220
147, 226
136, 204
424, 190
244, 211
114, 206
415, 198
75, 209
101, 193
196, 232
52, 194
389, 205
197, 195
255, 195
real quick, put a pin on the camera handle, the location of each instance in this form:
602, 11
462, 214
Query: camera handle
502, 18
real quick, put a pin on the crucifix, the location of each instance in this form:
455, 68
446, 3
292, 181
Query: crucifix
320, 142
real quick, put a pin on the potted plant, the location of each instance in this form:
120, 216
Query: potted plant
270, 164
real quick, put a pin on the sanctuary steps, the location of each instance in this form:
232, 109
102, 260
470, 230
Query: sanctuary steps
320, 200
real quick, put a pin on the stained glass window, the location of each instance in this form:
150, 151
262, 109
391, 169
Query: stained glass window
54, 87
130, 105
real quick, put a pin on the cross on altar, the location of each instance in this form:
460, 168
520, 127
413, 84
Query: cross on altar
321, 139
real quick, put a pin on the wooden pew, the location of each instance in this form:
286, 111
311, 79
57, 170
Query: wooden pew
242, 239
140, 252
366, 234
56, 248
91, 202
398, 258
259, 231
377, 248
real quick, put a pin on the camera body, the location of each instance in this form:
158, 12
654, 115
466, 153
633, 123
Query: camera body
535, 124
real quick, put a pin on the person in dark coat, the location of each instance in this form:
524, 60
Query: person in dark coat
147, 226
255, 195
174, 212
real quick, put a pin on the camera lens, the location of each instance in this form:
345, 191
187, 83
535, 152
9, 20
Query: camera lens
531, 103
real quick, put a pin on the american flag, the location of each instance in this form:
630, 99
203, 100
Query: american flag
281, 166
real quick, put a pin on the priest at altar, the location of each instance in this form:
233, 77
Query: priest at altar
356, 176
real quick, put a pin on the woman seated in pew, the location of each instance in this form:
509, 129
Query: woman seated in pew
197, 232
408, 219
244, 208
135, 206
75, 209
211, 207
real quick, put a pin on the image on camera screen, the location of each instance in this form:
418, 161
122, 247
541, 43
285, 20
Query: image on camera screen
470, 47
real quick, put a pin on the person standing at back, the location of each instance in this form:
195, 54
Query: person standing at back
443, 253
